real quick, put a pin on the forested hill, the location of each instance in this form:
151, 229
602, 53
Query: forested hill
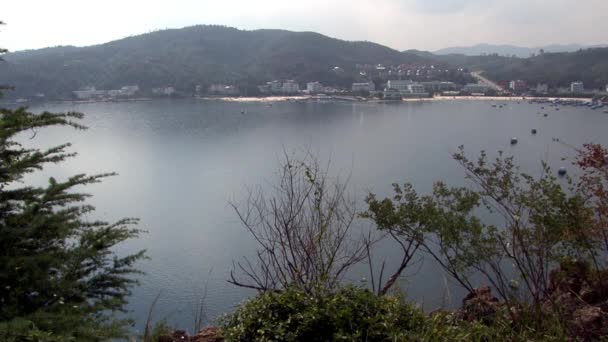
194, 55
556, 69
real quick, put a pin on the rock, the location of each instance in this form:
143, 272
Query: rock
479, 305
589, 323
209, 334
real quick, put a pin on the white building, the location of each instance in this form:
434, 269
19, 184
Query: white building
577, 87
290, 87
475, 88
401, 85
314, 87
89, 93
168, 91
129, 90
417, 89
438, 86
223, 89
274, 86
363, 87
114, 92
392, 94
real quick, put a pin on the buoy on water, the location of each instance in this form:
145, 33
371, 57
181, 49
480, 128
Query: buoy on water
513, 141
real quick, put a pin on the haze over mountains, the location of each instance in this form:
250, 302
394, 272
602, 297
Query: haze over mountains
509, 50
204, 55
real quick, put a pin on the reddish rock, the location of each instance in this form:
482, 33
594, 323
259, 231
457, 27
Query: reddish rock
209, 334
589, 323
479, 305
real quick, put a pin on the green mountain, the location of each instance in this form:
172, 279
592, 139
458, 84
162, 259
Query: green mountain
510, 50
556, 69
184, 58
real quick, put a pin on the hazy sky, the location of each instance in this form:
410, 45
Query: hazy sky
400, 24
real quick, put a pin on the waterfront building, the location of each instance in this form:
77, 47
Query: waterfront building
400, 85
89, 92
518, 86
223, 89
363, 87
438, 86
167, 91
392, 94
314, 87
417, 89
476, 88
275, 86
290, 87
577, 87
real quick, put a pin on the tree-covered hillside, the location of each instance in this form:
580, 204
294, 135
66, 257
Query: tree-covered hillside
194, 55
556, 69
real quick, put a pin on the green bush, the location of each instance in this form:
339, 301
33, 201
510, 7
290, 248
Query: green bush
348, 314
356, 314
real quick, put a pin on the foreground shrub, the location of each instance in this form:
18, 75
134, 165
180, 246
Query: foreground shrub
348, 314
355, 314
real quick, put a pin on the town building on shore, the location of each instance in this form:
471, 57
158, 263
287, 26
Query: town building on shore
408, 88
400, 85
476, 88
363, 87
275, 86
392, 94
89, 92
314, 87
438, 86
223, 89
414, 90
163, 91
577, 87
290, 87
518, 86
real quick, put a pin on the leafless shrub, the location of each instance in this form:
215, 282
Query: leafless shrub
304, 231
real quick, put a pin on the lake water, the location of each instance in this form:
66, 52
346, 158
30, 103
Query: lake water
181, 161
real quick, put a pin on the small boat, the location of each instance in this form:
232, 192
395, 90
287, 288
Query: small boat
534, 131
513, 141
545, 115
562, 171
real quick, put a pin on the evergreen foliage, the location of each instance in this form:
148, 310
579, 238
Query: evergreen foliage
59, 273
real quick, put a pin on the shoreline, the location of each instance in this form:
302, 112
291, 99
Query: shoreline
271, 99
305, 98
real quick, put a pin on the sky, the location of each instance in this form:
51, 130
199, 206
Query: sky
400, 24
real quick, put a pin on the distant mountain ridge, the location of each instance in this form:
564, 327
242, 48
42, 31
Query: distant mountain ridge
509, 50
196, 55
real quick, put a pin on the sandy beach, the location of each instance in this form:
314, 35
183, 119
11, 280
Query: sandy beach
436, 98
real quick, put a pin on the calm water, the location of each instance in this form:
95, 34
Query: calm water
181, 161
